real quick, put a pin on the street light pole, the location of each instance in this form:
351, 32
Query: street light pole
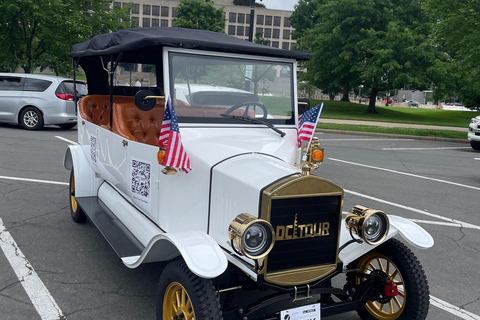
252, 17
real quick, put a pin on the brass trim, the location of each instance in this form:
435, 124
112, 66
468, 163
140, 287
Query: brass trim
304, 103
156, 97
294, 187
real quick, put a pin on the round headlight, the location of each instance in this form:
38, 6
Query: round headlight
374, 227
251, 236
369, 224
256, 239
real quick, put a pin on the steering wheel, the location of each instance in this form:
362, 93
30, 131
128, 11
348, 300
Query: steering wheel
247, 104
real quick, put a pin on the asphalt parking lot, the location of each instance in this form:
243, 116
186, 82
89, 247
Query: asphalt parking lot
52, 268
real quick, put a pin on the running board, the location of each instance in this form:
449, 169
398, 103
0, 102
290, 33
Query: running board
117, 235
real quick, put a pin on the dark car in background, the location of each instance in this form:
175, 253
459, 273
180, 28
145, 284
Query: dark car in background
33, 100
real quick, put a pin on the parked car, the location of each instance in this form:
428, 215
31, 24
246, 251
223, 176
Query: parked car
412, 103
33, 100
474, 133
228, 199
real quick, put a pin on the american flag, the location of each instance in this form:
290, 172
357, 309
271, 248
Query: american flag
307, 123
170, 138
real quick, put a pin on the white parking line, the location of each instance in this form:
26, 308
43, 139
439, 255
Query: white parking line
405, 174
41, 298
364, 139
461, 223
464, 314
66, 140
444, 148
34, 180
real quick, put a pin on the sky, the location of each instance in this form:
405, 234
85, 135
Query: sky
279, 4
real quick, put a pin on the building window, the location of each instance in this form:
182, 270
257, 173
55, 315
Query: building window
275, 44
268, 20
135, 21
164, 23
286, 22
286, 45
155, 11
276, 34
276, 21
260, 19
146, 22
232, 17
241, 18
146, 9
240, 30
155, 23
174, 11
247, 18
247, 31
259, 30
164, 11
117, 4
136, 8
267, 33
286, 34
231, 30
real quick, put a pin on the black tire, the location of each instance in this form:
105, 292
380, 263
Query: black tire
403, 269
199, 294
31, 119
67, 125
475, 145
78, 215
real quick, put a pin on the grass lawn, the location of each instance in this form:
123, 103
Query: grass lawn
355, 111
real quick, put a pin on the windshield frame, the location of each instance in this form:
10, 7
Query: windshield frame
169, 53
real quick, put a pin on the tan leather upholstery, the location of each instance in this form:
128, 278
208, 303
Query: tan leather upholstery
137, 125
96, 108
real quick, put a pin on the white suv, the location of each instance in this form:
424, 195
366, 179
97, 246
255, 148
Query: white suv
35, 100
474, 133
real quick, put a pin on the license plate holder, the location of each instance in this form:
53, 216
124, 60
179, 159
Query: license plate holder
307, 312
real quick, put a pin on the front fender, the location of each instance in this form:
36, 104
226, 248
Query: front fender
409, 230
201, 253
86, 182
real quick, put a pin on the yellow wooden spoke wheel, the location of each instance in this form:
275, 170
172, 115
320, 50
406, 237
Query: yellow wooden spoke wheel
184, 296
393, 308
177, 303
75, 211
392, 261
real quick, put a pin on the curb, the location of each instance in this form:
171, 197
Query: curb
391, 135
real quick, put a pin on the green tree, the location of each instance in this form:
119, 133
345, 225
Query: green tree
40, 33
456, 33
378, 43
260, 39
198, 14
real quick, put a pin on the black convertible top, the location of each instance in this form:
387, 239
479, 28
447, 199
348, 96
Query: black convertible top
150, 40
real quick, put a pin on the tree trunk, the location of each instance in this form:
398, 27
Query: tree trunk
371, 104
331, 96
346, 90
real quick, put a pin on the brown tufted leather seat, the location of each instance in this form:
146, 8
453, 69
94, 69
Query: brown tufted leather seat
137, 125
96, 108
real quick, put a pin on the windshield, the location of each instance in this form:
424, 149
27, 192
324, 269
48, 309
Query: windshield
207, 87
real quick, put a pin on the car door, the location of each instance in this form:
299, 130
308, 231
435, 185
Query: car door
11, 90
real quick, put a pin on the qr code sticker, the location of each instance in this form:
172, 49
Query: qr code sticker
93, 149
141, 178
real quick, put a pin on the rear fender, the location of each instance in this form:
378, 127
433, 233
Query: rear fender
201, 253
86, 182
410, 231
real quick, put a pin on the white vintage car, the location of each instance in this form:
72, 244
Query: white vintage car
249, 232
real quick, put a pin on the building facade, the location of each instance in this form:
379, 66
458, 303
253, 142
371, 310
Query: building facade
273, 24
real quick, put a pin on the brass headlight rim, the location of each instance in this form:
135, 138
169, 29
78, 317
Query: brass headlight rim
244, 222
356, 219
